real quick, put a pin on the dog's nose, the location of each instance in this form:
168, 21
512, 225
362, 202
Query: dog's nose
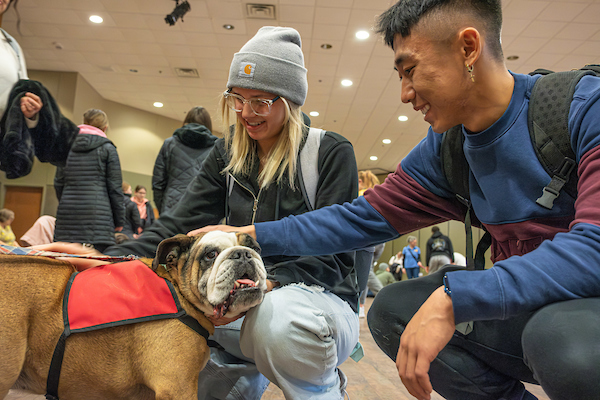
241, 254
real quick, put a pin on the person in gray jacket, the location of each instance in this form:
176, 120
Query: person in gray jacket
181, 157
88, 188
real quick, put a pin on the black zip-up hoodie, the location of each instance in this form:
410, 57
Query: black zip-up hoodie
204, 204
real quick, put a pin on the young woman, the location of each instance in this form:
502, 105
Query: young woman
251, 175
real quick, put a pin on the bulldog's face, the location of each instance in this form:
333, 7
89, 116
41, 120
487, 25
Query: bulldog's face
221, 273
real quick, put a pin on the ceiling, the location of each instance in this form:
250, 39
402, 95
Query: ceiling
131, 57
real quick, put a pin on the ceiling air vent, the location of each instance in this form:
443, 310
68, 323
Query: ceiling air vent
261, 11
187, 72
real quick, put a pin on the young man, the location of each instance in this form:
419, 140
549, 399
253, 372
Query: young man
536, 313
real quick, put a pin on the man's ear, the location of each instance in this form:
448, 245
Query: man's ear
169, 250
471, 44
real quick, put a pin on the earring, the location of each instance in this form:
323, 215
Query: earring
470, 71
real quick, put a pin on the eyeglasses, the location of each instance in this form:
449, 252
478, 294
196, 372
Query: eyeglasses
259, 107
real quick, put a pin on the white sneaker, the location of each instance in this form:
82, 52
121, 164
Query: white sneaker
361, 312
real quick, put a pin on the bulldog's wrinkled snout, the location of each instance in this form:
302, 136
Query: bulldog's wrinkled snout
241, 254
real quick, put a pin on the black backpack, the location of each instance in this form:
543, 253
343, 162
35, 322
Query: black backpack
547, 120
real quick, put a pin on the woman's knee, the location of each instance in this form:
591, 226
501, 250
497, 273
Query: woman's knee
282, 324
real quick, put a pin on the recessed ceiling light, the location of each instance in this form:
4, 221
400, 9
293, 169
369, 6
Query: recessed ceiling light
326, 46
158, 104
512, 58
96, 19
403, 118
373, 158
314, 113
347, 82
362, 35
228, 27
386, 141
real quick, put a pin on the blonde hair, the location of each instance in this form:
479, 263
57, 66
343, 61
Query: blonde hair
368, 178
283, 157
95, 117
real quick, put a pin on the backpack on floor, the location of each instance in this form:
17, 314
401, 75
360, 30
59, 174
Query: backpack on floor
548, 122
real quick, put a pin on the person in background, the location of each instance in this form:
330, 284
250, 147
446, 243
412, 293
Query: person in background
384, 275
367, 180
181, 157
411, 258
144, 207
535, 315
41, 232
12, 68
132, 225
6, 234
396, 265
88, 188
439, 251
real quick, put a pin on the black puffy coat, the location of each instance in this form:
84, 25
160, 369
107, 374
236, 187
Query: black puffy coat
178, 162
89, 193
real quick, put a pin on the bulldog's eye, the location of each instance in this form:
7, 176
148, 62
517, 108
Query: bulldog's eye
211, 255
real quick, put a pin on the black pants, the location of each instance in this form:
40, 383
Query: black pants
557, 346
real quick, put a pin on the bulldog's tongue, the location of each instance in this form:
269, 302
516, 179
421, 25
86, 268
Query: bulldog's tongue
248, 282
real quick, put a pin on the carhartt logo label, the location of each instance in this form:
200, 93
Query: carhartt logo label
246, 70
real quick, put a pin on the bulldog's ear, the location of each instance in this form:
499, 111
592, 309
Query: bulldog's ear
246, 240
169, 250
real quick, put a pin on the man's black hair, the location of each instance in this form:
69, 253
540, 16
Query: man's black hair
435, 229
402, 17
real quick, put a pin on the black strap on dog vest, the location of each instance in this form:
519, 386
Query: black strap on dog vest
55, 367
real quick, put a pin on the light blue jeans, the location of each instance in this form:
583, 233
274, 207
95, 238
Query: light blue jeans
297, 337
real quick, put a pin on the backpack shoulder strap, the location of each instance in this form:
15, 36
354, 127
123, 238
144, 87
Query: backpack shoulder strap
548, 120
456, 170
454, 163
13, 44
308, 171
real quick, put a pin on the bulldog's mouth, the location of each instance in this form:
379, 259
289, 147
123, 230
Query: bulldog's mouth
240, 285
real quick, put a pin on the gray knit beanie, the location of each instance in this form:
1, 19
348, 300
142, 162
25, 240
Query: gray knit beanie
272, 61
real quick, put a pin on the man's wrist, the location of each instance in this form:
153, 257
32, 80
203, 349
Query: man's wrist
447, 289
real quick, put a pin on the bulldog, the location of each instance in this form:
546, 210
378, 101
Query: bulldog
216, 274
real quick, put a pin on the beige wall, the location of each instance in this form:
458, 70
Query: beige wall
137, 134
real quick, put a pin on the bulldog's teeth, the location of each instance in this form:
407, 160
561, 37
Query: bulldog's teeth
256, 283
